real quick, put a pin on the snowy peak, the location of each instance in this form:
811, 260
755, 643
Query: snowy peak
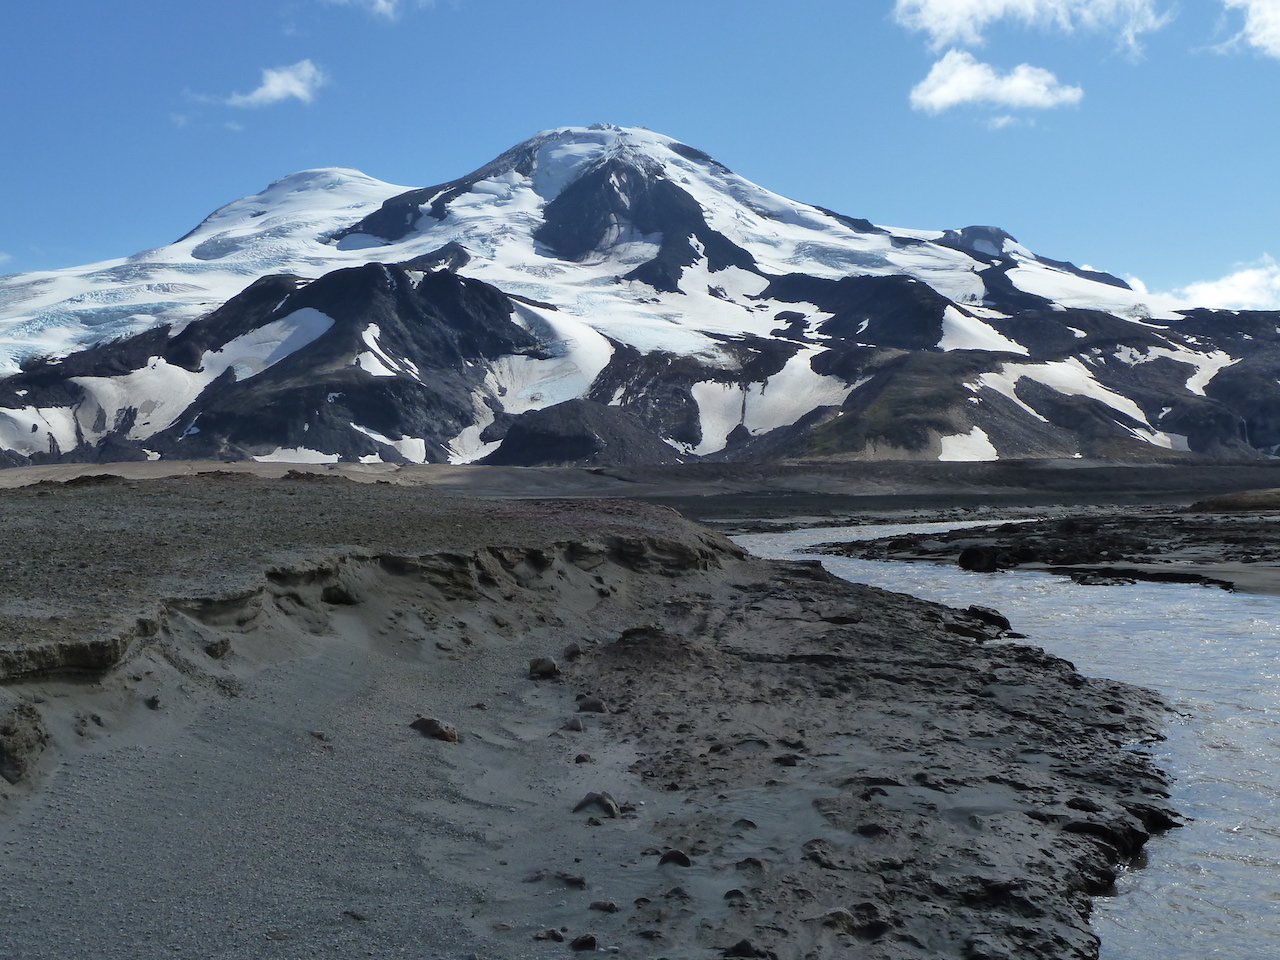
599, 294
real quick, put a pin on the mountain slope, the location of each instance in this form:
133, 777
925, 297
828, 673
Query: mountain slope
335, 316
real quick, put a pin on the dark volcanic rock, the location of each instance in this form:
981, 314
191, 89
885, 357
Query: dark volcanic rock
579, 433
22, 739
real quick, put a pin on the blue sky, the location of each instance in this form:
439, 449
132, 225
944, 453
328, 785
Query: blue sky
1136, 136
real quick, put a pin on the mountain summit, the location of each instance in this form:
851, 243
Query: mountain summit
606, 294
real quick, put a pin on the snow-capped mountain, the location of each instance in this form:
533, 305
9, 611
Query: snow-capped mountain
609, 294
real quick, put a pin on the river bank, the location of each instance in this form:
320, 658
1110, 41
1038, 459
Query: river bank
210, 686
1209, 888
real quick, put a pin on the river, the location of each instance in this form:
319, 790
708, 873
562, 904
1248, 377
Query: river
1212, 887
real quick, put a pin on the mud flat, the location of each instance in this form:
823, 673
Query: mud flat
295, 716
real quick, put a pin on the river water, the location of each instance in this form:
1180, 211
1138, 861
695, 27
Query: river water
1212, 887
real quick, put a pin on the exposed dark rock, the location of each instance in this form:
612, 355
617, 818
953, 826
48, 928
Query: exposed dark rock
436, 729
22, 739
579, 433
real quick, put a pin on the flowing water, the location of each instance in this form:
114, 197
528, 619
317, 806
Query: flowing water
1212, 887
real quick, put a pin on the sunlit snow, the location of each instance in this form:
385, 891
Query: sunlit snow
974, 445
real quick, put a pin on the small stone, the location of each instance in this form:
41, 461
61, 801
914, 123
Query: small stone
501, 925
480, 706
550, 934
584, 758
602, 800
217, 649
989, 615
604, 906
585, 942
356, 915
574, 724
573, 651
543, 668
678, 857
152, 702
592, 705
320, 735
574, 880
431, 727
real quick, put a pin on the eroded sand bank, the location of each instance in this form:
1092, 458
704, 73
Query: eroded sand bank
208, 686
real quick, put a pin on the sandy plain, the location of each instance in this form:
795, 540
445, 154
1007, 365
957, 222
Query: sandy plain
208, 681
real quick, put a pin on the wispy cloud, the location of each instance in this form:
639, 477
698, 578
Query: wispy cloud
959, 78
299, 81
390, 9
1261, 24
5, 257
1254, 286
965, 22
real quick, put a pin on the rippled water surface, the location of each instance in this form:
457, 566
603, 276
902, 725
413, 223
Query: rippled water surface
1211, 888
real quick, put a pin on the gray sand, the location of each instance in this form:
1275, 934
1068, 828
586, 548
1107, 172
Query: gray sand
225, 670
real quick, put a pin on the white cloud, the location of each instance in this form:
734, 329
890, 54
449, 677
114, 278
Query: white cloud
1255, 286
301, 81
383, 8
1261, 24
965, 22
5, 257
958, 78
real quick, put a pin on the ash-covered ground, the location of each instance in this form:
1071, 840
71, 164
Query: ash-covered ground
214, 695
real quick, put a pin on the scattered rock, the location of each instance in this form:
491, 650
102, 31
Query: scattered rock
584, 758
217, 649
591, 705
152, 702
356, 915
585, 942
543, 668
989, 615
320, 735
573, 651
551, 934
574, 724
678, 857
978, 559
604, 906
602, 800
575, 880
431, 727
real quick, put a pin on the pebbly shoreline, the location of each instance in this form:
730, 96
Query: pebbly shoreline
209, 685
